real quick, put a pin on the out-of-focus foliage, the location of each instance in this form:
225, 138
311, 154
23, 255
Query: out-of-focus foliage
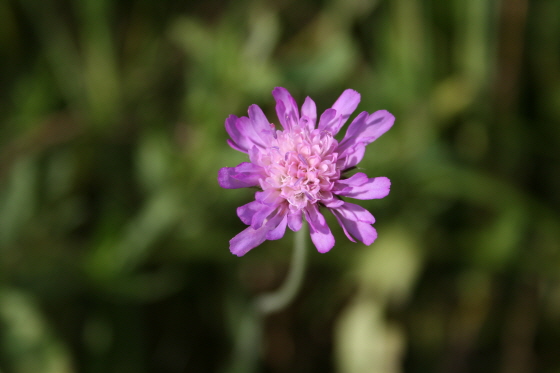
114, 233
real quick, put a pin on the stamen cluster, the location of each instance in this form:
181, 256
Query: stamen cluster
302, 167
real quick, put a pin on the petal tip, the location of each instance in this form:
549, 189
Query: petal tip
325, 250
223, 177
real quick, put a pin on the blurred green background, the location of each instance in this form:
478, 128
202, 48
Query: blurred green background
114, 232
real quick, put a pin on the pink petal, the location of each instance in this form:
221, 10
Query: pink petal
247, 132
309, 113
345, 106
250, 238
278, 232
333, 203
255, 155
351, 156
247, 240
286, 108
235, 146
262, 215
320, 232
247, 211
356, 212
329, 121
356, 222
361, 187
366, 130
294, 220
247, 129
261, 125
238, 141
269, 197
243, 175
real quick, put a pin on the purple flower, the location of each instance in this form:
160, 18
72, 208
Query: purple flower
301, 169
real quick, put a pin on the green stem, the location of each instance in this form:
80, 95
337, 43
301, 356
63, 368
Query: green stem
247, 346
279, 299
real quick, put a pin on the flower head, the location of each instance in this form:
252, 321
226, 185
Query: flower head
301, 169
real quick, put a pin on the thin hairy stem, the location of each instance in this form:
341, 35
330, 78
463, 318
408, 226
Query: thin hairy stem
279, 299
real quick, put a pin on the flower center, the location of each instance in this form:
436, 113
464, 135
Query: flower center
302, 167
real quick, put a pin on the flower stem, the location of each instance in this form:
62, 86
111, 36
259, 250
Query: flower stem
247, 351
279, 299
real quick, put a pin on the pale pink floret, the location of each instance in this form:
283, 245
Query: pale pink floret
300, 169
